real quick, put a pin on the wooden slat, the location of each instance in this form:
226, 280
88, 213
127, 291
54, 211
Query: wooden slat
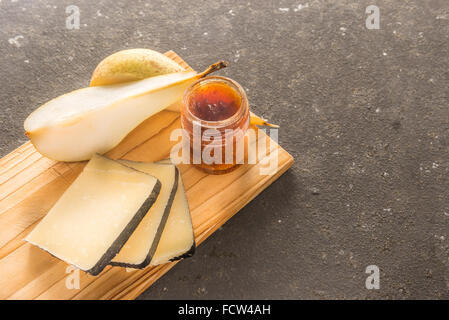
30, 184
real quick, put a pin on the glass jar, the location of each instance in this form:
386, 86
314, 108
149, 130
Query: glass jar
215, 117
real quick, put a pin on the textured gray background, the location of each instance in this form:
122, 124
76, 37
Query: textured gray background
363, 112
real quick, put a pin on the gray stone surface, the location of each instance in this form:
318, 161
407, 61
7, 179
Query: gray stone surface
363, 112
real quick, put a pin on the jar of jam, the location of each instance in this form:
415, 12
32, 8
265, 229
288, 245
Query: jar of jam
215, 116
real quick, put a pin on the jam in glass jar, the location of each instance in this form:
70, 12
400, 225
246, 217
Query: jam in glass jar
215, 116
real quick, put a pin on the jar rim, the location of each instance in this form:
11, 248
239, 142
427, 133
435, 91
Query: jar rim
219, 123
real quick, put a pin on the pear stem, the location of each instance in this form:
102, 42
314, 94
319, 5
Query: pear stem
214, 67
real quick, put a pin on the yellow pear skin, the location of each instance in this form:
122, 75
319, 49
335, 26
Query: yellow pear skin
131, 65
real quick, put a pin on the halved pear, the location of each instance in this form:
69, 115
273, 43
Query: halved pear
76, 125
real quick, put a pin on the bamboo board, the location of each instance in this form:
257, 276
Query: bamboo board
30, 184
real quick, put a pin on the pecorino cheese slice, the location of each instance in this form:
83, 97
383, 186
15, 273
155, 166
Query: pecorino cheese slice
96, 215
139, 250
177, 240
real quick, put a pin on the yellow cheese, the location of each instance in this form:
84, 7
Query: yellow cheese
138, 251
92, 220
177, 240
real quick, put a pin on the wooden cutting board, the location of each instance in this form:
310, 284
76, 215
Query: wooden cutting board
30, 184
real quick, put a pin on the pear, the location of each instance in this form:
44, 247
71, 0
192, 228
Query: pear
132, 64
259, 121
76, 125
136, 64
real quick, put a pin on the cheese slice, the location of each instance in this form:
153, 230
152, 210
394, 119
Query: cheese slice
177, 240
96, 215
138, 251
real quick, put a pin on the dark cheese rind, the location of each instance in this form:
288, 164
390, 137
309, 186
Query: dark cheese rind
159, 231
125, 234
188, 254
192, 249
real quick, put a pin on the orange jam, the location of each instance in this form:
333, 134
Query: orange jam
215, 115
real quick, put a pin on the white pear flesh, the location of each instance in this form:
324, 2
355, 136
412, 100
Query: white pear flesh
76, 125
